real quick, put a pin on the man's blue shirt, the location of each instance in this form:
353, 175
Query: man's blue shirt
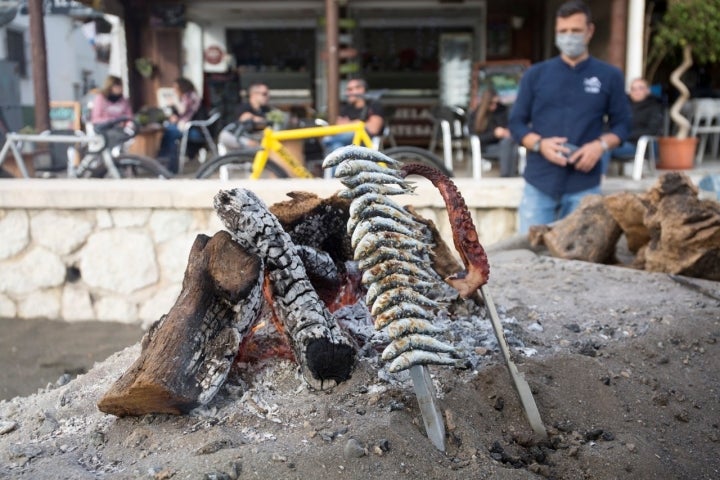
558, 100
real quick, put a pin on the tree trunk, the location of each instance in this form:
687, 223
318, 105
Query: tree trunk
675, 78
39, 65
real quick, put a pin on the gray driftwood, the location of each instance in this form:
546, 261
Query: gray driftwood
187, 354
589, 233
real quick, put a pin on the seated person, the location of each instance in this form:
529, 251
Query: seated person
251, 120
107, 106
356, 107
647, 119
110, 104
186, 109
489, 122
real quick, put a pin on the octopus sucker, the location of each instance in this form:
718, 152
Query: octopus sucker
465, 238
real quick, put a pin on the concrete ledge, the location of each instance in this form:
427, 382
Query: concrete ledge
88, 193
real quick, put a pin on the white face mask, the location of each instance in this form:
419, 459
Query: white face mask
572, 45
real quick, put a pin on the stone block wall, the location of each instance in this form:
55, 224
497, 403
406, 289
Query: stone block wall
117, 250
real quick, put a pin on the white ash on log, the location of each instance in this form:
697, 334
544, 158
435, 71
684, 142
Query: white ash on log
322, 350
187, 354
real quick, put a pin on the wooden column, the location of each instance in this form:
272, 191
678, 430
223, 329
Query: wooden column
333, 69
618, 33
39, 65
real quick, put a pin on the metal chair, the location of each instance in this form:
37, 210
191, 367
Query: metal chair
449, 127
203, 126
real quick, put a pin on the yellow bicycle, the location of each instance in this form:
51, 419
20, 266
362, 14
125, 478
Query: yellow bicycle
275, 160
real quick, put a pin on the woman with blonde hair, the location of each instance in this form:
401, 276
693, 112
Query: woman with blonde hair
110, 104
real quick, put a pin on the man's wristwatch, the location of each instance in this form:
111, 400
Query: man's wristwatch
536, 145
603, 144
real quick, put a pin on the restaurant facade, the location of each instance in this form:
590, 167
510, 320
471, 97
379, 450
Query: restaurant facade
416, 54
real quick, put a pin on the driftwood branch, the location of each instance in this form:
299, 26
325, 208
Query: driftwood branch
187, 354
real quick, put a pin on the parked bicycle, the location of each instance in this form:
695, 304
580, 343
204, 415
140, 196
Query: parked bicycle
101, 154
274, 160
107, 158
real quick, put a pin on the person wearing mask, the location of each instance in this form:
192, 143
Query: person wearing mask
110, 104
186, 108
251, 120
489, 122
356, 107
559, 116
647, 117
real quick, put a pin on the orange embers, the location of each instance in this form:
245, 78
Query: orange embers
267, 338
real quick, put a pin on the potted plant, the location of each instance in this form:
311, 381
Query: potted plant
693, 28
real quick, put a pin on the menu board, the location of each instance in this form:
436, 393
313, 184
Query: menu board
65, 116
455, 68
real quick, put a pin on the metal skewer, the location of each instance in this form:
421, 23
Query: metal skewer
521, 385
432, 418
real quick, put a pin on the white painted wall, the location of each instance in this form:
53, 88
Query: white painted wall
69, 53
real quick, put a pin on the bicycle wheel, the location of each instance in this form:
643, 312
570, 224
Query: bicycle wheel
237, 165
136, 166
408, 154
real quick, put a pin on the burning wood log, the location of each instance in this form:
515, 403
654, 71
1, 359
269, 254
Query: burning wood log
325, 354
187, 354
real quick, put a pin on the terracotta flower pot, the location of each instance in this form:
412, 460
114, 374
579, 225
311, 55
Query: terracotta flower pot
675, 153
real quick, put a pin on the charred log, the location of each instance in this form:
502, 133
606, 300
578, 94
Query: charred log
187, 354
324, 353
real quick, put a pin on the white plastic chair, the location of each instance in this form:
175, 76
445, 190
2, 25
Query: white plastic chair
644, 151
706, 123
449, 127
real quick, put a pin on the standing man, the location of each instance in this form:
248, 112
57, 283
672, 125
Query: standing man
251, 120
356, 107
559, 116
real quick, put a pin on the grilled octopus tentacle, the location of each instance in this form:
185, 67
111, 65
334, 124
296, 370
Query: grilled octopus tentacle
477, 269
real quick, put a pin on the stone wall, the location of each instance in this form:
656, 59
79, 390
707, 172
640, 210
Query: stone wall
117, 250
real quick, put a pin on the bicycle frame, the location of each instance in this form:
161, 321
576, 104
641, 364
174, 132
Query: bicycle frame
272, 142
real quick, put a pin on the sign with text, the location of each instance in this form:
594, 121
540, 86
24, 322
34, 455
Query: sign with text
65, 116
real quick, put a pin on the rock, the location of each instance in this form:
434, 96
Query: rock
354, 449
7, 427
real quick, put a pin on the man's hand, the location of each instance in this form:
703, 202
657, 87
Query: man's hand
553, 150
587, 156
